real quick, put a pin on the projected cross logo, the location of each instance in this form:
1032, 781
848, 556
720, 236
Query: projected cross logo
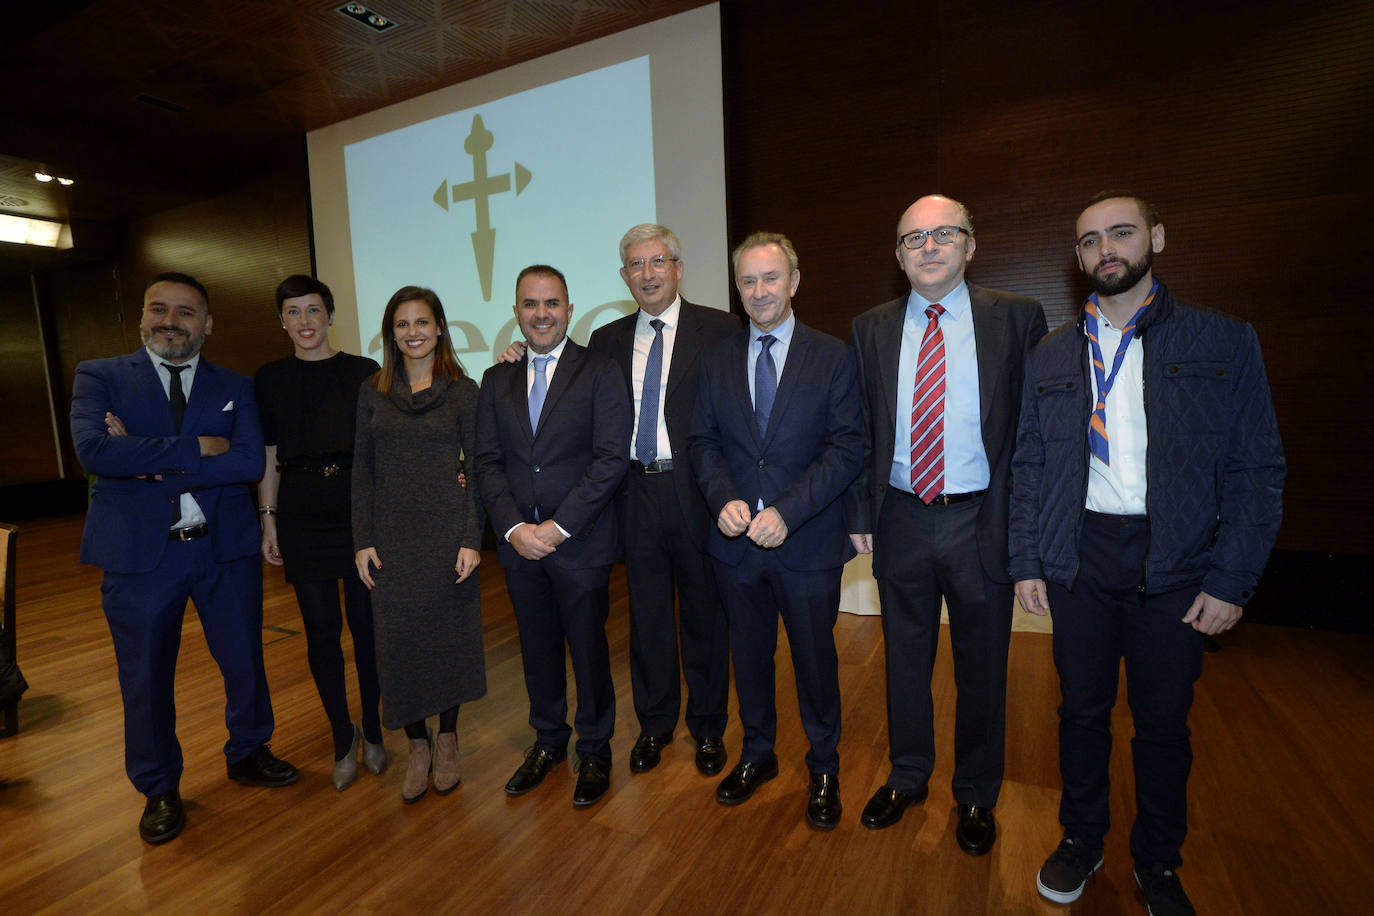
479, 191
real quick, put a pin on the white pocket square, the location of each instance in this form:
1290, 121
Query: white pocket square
229, 406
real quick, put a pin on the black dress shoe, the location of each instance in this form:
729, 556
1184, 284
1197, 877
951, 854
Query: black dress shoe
886, 806
593, 779
977, 830
163, 817
260, 768
645, 755
744, 779
711, 755
531, 773
823, 809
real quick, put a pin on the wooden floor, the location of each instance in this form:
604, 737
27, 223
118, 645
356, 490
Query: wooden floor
1282, 794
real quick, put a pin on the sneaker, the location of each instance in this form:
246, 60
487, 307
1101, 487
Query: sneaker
1068, 868
1163, 891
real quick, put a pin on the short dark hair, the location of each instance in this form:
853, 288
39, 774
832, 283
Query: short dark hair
176, 276
542, 270
297, 285
1147, 209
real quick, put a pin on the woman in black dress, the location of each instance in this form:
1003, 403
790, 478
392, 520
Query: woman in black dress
418, 532
308, 402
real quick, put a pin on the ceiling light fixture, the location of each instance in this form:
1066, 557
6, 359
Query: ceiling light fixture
42, 176
374, 20
24, 230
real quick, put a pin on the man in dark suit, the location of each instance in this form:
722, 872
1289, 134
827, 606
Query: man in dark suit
777, 439
552, 447
664, 521
941, 378
176, 446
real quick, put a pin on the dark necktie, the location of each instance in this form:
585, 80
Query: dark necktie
765, 383
646, 439
175, 394
928, 412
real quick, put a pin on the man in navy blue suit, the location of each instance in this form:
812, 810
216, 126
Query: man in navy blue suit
175, 445
777, 438
553, 443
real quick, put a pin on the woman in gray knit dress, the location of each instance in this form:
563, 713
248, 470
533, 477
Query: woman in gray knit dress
417, 532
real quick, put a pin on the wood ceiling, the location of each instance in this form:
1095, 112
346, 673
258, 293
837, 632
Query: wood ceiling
149, 104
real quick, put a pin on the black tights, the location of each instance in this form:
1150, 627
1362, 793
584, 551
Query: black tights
319, 604
448, 722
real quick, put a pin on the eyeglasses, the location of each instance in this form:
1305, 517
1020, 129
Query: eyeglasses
657, 264
943, 235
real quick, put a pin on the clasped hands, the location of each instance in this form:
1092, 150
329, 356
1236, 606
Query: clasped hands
767, 529
535, 542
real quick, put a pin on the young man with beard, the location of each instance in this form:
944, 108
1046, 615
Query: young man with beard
1147, 488
176, 446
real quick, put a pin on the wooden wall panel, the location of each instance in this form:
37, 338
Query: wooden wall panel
1247, 124
240, 246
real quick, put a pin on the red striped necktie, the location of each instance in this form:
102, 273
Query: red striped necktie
928, 412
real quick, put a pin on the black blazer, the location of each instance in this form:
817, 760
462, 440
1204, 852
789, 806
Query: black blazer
570, 468
804, 463
699, 328
1005, 327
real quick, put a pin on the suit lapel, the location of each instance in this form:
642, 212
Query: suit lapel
623, 347
151, 408
568, 365
798, 351
686, 348
989, 333
887, 344
206, 396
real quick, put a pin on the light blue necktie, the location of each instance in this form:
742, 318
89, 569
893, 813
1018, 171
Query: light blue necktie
646, 439
765, 383
538, 390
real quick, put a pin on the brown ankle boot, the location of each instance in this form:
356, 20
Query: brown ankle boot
417, 771
446, 775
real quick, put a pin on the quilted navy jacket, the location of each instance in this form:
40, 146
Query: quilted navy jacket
1214, 462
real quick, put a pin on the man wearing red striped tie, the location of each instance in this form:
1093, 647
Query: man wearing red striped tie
1148, 482
940, 371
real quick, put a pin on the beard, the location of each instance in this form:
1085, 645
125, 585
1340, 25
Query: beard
170, 349
1111, 286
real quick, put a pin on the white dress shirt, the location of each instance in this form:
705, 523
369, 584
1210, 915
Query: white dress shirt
639, 360
191, 514
1119, 488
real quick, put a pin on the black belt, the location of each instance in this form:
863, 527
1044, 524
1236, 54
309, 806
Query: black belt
321, 470
944, 499
657, 466
189, 533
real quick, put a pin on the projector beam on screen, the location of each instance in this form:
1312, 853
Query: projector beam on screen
546, 162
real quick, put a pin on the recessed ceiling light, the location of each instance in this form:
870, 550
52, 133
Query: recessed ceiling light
42, 176
379, 22
65, 182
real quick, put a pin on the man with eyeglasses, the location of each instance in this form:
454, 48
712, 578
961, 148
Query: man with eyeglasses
663, 517
1148, 485
940, 372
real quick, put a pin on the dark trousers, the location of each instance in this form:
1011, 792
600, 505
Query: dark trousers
323, 619
756, 593
145, 612
661, 558
921, 555
1107, 617
554, 605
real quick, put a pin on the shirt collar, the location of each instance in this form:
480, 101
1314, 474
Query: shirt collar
668, 317
956, 303
193, 362
556, 352
782, 333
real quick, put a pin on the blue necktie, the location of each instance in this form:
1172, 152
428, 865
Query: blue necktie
765, 383
646, 439
539, 390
